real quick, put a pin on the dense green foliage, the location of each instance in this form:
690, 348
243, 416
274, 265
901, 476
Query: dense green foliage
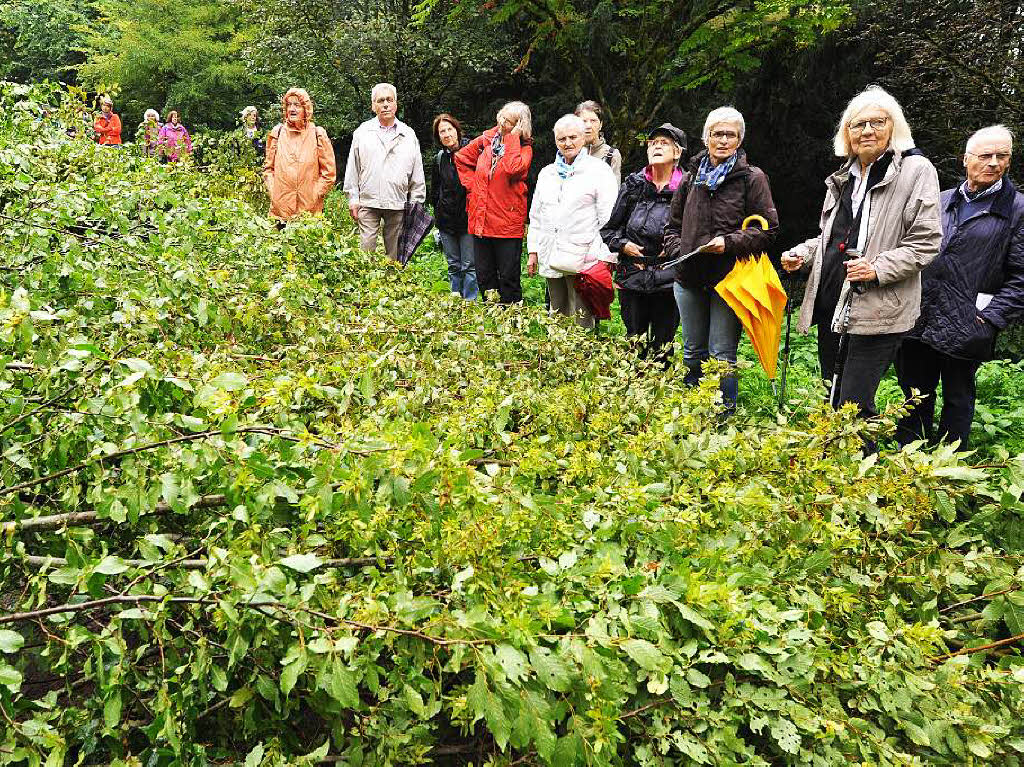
266, 496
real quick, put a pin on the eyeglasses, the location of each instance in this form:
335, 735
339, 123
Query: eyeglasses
876, 123
724, 135
987, 156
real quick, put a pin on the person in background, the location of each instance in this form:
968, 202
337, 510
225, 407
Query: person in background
448, 198
384, 171
107, 126
590, 112
250, 126
299, 168
493, 168
573, 200
880, 227
708, 210
972, 290
173, 140
635, 233
148, 131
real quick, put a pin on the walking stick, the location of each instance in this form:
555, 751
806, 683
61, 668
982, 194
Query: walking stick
844, 340
790, 282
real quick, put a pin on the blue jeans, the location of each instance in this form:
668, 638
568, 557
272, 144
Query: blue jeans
458, 249
710, 330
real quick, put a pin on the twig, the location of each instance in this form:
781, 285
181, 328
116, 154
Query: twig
637, 711
57, 521
1014, 587
980, 648
197, 564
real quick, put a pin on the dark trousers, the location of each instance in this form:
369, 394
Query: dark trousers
498, 266
867, 359
919, 366
654, 315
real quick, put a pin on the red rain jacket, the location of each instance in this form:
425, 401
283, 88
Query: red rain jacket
496, 205
594, 286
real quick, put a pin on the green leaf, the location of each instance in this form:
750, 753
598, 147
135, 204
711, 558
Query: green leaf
645, 654
10, 641
342, 685
513, 663
786, 735
302, 563
230, 381
112, 710
255, 757
697, 678
10, 677
551, 670
291, 672
110, 566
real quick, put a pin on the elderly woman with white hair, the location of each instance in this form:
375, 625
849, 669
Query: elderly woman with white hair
573, 200
880, 226
493, 169
148, 131
707, 214
251, 128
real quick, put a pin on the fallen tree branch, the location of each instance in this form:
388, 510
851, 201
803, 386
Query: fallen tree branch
980, 648
201, 564
57, 521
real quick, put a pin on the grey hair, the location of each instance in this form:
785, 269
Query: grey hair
151, 113
729, 115
105, 99
990, 132
873, 96
248, 111
523, 117
566, 122
381, 88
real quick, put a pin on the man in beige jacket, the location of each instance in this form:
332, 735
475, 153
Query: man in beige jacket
384, 171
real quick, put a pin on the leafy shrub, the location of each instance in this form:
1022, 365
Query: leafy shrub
269, 498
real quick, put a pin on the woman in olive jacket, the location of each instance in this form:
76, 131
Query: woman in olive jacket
708, 213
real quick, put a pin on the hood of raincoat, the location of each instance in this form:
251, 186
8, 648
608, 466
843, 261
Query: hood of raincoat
304, 99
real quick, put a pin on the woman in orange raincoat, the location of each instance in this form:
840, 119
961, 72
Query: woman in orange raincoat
299, 168
107, 125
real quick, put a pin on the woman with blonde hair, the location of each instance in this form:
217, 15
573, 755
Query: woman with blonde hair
299, 169
493, 169
880, 226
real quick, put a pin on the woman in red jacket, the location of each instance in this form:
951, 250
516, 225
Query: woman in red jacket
107, 125
493, 169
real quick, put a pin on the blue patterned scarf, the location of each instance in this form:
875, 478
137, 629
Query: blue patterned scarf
712, 177
497, 150
564, 168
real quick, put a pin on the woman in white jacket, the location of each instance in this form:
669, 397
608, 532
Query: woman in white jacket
574, 198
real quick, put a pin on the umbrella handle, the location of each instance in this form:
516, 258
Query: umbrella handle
755, 217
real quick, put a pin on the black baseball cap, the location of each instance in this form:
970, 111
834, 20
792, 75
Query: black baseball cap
671, 131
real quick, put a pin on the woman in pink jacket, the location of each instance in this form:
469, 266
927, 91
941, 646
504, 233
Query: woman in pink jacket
173, 140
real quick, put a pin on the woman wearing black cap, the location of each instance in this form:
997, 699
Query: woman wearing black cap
634, 231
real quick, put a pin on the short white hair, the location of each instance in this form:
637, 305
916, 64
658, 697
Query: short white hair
523, 117
990, 133
248, 111
382, 88
873, 96
569, 122
151, 113
729, 115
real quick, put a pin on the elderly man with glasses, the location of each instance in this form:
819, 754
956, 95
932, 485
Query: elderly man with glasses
971, 291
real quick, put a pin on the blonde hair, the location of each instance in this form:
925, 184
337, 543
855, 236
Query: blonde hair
523, 118
729, 115
873, 96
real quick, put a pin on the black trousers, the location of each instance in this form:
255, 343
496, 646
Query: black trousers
498, 266
867, 359
652, 314
919, 366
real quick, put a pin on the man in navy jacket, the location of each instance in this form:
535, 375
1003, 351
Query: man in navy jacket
971, 291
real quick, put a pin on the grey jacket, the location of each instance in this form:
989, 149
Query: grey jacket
384, 171
903, 236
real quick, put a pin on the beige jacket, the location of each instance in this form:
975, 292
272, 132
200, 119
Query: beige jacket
384, 171
298, 170
903, 236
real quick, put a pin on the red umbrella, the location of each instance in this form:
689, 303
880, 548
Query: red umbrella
594, 285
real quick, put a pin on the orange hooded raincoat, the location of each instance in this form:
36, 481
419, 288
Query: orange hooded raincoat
299, 168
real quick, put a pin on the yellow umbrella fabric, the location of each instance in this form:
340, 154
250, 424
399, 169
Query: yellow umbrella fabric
753, 291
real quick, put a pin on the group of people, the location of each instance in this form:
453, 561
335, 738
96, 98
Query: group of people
169, 141
898, 273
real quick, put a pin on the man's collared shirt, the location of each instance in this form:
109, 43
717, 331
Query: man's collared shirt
966, 192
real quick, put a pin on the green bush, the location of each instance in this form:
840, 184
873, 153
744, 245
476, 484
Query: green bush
266, 498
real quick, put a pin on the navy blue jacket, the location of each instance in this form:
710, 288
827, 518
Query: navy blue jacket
984, 253
447, 194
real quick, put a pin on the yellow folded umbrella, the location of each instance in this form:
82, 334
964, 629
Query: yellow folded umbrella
753, 291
